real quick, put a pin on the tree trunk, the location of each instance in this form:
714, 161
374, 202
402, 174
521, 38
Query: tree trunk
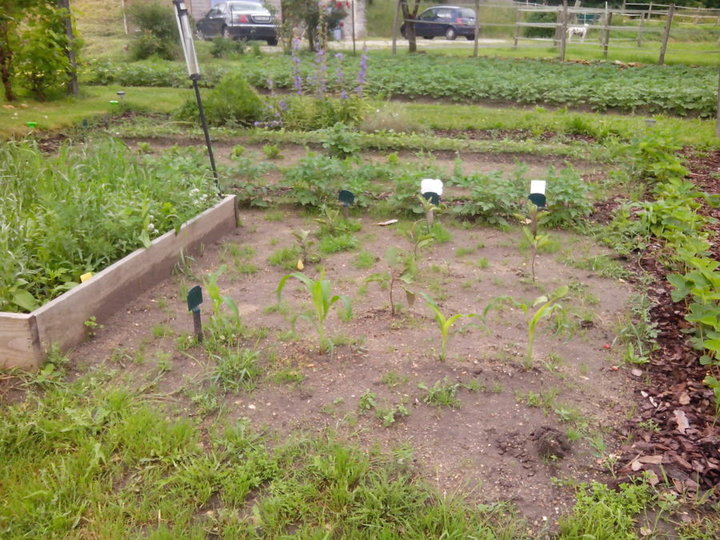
6, 58
409, 15
72, 88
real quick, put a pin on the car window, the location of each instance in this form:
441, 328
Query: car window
444, 13
467, 13
245, 6
428, 15
214, 12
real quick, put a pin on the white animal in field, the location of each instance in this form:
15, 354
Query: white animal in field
580, 31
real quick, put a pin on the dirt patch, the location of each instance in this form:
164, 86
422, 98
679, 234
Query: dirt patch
510, 427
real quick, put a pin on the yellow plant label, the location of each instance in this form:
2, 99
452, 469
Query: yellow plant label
85, 277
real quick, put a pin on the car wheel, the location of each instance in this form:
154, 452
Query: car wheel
450, 33
272, 42
199, 35
226, 32
428, 37
402, 31
471, 37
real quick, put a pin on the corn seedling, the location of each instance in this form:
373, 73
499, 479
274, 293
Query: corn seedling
547, 306
444, 323
321, 300
213, 291
535, 240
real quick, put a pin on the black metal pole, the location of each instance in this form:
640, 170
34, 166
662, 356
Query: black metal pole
194, 79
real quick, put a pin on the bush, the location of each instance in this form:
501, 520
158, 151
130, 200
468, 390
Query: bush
224, 47
158, 31
233, 102
540, 18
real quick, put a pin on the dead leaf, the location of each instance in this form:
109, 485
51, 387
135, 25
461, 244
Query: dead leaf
681, 420
652, 460
636, 466
684, 399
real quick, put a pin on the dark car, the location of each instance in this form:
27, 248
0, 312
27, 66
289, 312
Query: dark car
238, 20
448, 21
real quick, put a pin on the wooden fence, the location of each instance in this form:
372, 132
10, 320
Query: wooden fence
602, 22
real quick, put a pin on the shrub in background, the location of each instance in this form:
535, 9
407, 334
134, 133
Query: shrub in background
158, 31
224, 47
233, 102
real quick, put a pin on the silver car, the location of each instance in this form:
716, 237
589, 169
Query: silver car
239, 20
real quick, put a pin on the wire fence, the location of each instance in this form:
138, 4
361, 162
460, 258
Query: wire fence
633, 26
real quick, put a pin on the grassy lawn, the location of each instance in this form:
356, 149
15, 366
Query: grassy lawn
93, 103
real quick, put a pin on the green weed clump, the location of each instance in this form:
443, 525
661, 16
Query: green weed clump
86, 207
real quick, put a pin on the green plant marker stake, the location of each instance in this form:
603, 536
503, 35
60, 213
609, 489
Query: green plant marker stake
194, 299
31, 124
347, 198
114, 102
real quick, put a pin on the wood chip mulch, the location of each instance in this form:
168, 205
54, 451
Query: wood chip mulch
675, 434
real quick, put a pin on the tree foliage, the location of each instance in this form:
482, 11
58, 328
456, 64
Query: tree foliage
34, 47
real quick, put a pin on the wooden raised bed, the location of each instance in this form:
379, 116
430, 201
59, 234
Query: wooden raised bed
25, 338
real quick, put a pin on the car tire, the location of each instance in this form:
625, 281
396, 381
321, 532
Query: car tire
428, 37
402, 31
450, 33
226, 33
199, 35
272, 42
471, 37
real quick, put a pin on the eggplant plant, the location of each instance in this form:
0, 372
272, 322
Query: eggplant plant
401, 272
321, 301
534, 239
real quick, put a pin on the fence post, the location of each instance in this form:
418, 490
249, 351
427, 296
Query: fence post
640, 31
666, 34
649, 13
518, 15
395, 27
563, 31
606, 41
477, 27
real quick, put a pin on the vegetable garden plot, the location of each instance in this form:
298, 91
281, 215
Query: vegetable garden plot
487, 415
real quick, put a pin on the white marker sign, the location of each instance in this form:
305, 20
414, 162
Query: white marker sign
431, 185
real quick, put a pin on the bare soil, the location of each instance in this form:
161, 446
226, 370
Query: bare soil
507, 437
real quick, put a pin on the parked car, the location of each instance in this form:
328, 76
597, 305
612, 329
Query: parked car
238, 20
447, 21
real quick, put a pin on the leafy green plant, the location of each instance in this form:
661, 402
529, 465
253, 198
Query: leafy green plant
367, 401
444, 323
531, 235
441, 394
225, 47
233, 102
213, 290
546, 306
272, 151
236, 369
390, 415
321, 300
340, 142
63, 218
401, 271
158, 31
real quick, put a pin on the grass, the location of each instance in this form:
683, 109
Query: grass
93, 104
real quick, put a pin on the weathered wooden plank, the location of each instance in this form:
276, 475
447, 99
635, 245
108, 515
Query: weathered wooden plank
19, 344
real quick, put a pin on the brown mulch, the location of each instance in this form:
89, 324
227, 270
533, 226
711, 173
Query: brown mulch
684, 445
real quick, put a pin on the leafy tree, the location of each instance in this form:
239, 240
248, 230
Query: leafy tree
34, 46
158, 31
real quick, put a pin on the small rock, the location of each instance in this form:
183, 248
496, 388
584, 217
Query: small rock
637, 372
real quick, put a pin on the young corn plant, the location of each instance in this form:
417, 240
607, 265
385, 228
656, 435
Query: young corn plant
547, 306
218, 299
444, 323
322, 300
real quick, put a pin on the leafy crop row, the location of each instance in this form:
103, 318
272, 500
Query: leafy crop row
83, 209
679, 90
